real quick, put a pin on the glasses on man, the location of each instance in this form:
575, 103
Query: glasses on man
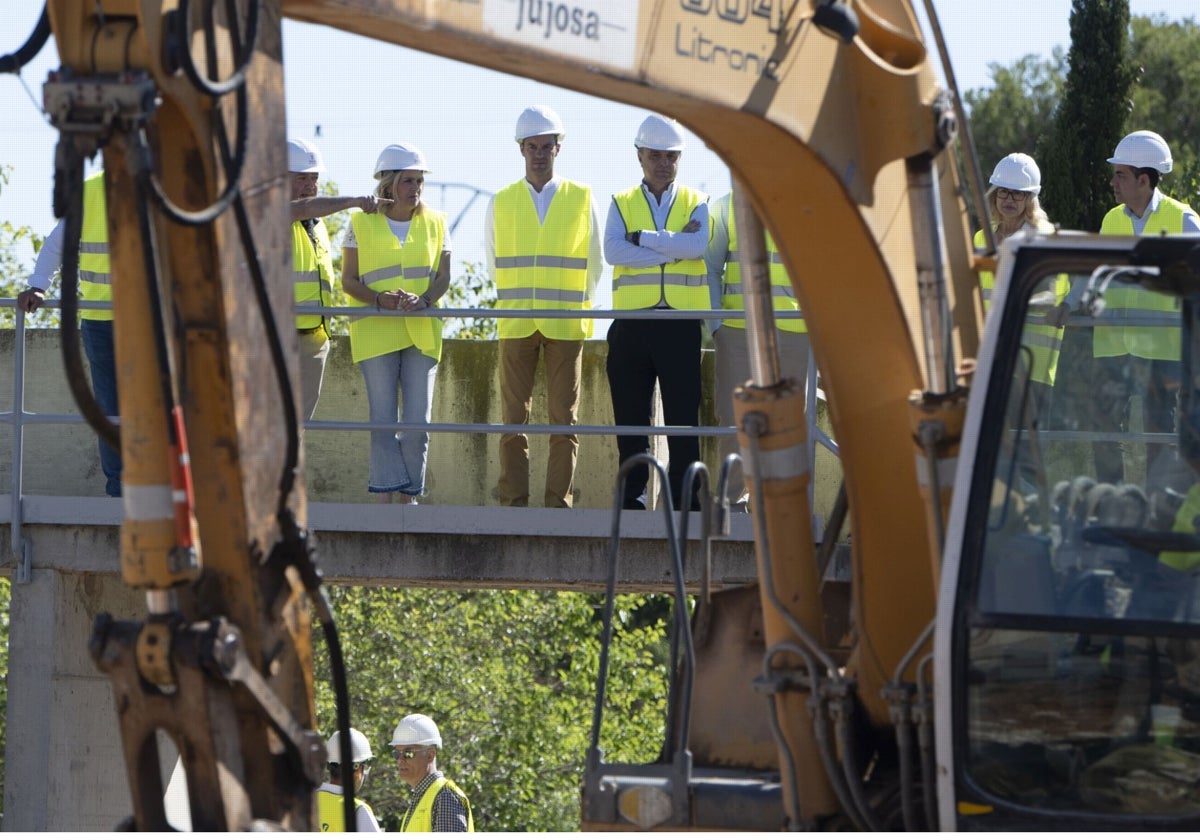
408, 754
1012, 195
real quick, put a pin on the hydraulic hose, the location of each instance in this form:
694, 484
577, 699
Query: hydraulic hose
13, 62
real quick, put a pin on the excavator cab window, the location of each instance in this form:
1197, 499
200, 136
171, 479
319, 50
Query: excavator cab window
1077, 628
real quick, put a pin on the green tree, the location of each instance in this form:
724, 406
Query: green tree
1166, 96
1090, 120
474, 289
1012, 114
15, 268
510, 678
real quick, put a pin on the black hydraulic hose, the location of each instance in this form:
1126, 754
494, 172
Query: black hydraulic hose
72, 193
13, 62
341, 693
140, 164
925, 745
243, 50
850, 769
287, 476
904, 745
233, 161
683, 627
233, 174
610, 606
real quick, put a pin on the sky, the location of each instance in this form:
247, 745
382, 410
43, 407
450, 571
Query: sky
468, 136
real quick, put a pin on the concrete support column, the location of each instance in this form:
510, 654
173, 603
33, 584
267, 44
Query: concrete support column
64, 769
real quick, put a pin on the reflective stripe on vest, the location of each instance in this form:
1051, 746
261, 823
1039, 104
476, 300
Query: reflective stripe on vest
331, 813
685, 284
543, 264
421, 817
95, 278
1043, 340
783, 297
385, 266
312, 270
1143, 342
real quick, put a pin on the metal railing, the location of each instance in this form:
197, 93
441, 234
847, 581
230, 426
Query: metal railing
18, 418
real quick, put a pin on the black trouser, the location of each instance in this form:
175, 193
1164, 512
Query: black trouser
639, 353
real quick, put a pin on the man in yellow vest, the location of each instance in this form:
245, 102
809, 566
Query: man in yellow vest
434, 803
729, 335
312, 260
655, 239
1138, 360
543, 250
95, 325
331, 810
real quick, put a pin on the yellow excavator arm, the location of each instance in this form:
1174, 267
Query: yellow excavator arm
836, 133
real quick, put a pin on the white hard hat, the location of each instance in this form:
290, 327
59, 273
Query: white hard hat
360, 748
661, 133
1143, 150
417, 729
304, 157
537, 120
1017, 172
400, 156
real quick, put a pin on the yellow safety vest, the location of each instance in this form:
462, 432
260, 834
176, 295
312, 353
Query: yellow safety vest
1141, 341
682, 284
543, 265
1043, 340
330, 813
385, 266
1185, 523
420, 818
95, 272
783, 297
312, 270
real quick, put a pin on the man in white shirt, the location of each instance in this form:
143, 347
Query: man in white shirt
543, 251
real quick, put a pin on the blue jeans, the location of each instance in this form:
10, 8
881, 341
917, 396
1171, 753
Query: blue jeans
398, 458
98, 346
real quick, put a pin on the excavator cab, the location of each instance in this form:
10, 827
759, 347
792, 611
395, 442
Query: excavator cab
1069, 622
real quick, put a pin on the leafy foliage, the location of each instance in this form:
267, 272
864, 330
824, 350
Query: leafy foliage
473, 290
15, 270
1166, 96
1090, 120
1013, 114
510, 678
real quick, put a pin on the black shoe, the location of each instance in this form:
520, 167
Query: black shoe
633, 504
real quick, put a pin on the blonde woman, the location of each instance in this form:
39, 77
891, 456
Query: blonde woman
1013, 202
397, 260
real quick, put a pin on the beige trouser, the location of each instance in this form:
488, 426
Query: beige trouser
314, 349
733, 369
564, 369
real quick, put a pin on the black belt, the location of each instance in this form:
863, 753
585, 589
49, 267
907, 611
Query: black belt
311, 330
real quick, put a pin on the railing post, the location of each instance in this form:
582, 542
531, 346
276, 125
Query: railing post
21, 548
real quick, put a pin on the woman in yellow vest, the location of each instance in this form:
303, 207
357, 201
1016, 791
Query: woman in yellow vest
1013, 202
397, 261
